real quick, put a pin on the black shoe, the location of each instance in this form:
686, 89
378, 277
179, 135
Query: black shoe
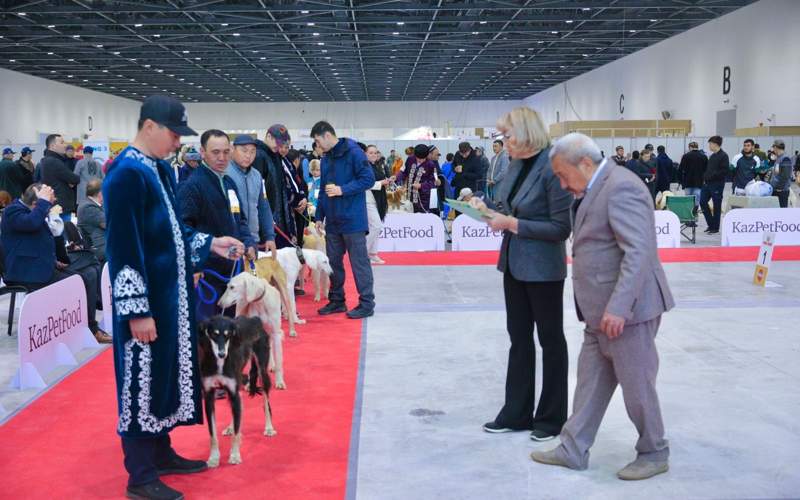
714, 231
540, 435
495, 428
180, 465
360, 312
299, 291
333, 308
155, 491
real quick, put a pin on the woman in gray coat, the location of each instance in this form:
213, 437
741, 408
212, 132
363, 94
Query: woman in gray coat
534, 214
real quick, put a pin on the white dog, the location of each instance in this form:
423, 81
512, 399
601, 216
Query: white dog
316, 261
255, 298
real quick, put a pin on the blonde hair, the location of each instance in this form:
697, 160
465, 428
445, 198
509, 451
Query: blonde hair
527, 127
313, 164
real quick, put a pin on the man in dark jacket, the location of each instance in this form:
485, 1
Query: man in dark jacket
9, 178
30, 249
209, 202
692, 168
663, 170
714, 183
92, 219
57, 174
26, 166
467, 167
781, 165
270, 165
346, 177
745, 166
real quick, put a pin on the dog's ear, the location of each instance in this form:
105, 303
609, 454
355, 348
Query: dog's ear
202, 326
253, 288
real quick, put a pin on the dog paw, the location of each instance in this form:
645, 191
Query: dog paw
213, 460
293, 333
317, 298
280, 384
299, 321
235, 458
228, 431
269, 432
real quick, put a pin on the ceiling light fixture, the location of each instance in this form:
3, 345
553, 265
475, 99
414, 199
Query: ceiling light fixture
137, 25
51, 26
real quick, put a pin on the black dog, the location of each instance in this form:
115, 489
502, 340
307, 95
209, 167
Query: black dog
226, 346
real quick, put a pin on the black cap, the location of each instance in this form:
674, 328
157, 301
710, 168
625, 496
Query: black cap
168, 112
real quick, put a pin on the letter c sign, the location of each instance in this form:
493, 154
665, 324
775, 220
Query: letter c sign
621, 103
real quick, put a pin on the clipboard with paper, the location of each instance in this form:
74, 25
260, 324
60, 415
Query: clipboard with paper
465, 208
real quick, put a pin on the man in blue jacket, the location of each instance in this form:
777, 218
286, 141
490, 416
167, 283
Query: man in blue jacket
346, 177
209, 202
30, 250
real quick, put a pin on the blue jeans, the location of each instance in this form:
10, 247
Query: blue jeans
712, 191
693, 192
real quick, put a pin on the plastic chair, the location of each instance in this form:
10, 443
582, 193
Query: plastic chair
683, 207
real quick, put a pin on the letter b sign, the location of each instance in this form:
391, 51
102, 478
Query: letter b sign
726, 80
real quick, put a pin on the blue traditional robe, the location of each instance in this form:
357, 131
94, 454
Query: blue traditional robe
151, 257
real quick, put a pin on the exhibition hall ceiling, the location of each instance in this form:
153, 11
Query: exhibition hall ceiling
334, 50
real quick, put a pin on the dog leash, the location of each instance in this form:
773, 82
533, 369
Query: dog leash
202, 284
297, 249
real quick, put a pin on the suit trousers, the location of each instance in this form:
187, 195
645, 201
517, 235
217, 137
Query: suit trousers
144, 455
355, 244
630, 360
540, 306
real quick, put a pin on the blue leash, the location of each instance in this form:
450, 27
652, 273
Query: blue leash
213, 296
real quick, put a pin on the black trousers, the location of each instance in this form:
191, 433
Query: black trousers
538, 305
143, 456
783, 198
712, 191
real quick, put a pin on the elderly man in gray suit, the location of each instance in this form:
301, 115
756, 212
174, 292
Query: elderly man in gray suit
621, 292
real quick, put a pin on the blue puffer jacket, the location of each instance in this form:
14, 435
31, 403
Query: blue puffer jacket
346, 166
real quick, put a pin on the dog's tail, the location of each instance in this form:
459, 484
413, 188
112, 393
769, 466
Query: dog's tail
253, 387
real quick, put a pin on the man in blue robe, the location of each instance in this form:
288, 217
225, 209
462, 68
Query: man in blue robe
152, 257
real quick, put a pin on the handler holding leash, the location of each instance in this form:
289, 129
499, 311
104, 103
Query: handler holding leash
151, 257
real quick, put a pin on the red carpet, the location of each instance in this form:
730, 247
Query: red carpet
686, 254
64, 444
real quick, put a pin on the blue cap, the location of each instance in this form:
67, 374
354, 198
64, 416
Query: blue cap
192, 155
8, 151
243, 140
26, 151
87, 150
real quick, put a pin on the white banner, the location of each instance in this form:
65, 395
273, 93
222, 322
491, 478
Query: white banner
52, 327
744, 226
470, 234
668, 229
105, 292
411, 232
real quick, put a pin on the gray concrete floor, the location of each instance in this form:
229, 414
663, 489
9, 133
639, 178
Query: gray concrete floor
435, 369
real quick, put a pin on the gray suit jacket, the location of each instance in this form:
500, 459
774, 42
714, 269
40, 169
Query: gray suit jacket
537, 252
615, 265
90, 219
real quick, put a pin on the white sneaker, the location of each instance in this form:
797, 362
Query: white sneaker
376, 260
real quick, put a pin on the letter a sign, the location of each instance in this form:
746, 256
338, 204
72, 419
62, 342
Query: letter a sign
764, 259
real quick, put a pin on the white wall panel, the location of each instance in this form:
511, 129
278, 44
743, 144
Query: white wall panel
32, 106
684, 75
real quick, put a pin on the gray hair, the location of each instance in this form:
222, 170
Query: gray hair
574, 147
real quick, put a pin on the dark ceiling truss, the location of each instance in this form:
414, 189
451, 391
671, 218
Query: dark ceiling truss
333, 50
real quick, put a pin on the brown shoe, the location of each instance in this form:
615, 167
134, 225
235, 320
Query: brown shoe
102, 337
642, 469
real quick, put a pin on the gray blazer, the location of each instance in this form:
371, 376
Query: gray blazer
615, 265
537, 252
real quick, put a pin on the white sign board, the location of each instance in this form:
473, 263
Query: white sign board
745, 226
668, 229
105, 292
470, 234
52, 327
403, 232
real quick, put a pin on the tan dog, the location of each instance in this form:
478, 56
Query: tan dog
255, 298
270, 269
